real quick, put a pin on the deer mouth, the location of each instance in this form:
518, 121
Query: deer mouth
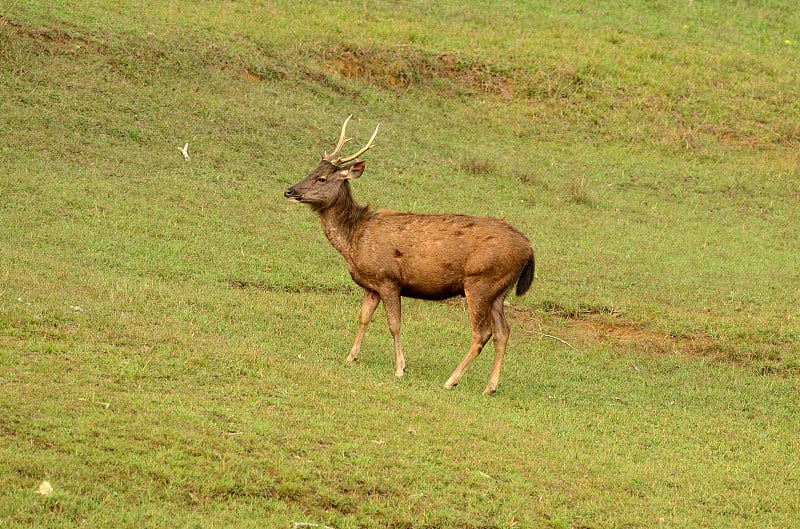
292, 195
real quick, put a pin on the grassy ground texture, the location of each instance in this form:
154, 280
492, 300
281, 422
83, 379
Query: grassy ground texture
173, 332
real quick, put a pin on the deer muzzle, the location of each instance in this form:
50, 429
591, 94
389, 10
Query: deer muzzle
293, 195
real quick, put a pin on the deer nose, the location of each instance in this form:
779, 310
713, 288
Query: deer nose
291, 194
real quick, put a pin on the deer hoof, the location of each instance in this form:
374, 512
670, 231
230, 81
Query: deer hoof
489, 390
450, 385
400, 367
350, 358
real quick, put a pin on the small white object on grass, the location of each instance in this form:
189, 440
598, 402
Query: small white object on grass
45, 488
185, 151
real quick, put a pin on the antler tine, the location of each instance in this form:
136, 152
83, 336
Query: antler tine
368, 146
341, 142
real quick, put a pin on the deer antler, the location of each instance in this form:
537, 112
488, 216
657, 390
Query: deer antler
342, 140
340, 143
370, 144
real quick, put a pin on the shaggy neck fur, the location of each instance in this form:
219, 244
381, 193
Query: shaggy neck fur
340, 220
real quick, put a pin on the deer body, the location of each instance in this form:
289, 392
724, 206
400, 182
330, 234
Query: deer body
429, 256
392, 254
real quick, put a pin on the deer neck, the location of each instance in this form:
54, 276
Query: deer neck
341, 221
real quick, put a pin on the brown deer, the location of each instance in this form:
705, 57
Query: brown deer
392, 254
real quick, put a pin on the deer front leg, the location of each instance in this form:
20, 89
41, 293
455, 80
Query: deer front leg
391, 302
368, 306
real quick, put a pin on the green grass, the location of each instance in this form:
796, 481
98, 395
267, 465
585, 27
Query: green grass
173, 333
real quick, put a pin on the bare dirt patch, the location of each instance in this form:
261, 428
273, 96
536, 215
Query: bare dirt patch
400, 67
608, 327
603, 326
622, 335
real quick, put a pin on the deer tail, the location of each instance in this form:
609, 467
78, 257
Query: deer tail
526, 276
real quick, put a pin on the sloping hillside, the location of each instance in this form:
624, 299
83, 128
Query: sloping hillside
173, 331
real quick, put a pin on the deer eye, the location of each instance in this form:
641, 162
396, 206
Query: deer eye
321, 179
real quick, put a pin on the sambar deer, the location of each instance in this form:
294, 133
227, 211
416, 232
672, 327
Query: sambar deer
392, 254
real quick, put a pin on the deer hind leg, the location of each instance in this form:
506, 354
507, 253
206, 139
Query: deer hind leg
391, 302
368, 306
480, 317
500, 333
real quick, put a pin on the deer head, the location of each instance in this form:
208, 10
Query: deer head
322, 186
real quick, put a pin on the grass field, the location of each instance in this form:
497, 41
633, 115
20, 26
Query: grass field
173, 332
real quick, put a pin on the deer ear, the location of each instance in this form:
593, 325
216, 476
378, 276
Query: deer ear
354, 171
